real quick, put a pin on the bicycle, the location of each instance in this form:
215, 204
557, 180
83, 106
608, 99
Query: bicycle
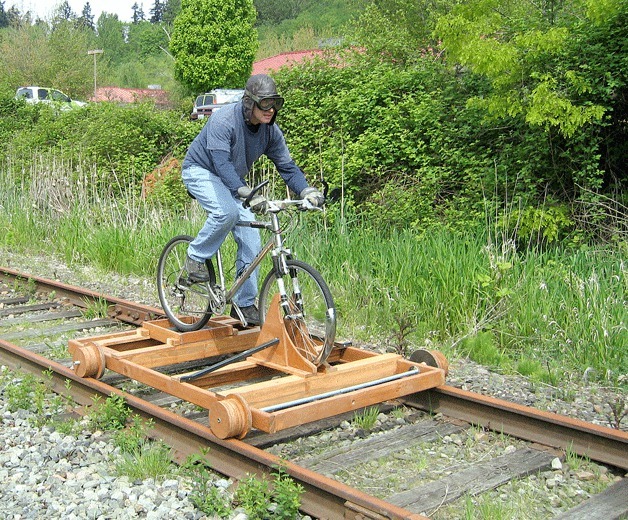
305, 300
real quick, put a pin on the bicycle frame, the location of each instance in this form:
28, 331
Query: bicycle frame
274, 246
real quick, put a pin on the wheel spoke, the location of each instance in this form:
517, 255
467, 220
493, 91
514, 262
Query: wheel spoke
307, 308
187, 304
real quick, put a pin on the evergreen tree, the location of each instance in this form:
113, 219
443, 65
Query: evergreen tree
64, 12
171, 9
157, 12
86, 20
138, 13
4, 19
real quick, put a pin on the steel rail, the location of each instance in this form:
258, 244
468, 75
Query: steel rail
599, 443
323, 498
123, 310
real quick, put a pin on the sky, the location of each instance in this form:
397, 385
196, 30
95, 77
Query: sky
44, 8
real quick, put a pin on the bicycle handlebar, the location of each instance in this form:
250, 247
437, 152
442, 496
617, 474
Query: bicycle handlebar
275, 206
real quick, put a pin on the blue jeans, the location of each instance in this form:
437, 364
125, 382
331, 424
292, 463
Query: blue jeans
223, 212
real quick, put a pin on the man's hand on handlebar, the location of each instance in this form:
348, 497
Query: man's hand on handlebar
313, 196
256, 202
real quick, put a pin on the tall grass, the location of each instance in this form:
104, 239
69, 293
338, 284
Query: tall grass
548, 312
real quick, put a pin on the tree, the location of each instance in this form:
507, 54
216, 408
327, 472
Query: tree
111, 38
518, 46
70, 68
146, 39
4, 19
86, 20
396, 30
214, 43
64, 13
34, 55
172, 8
138, 13
274, 11
157, 12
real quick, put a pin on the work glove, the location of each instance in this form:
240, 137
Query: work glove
258, 203
313, 196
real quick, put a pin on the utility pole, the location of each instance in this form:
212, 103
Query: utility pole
93, 53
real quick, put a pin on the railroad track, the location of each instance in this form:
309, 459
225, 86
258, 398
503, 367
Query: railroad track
344, 475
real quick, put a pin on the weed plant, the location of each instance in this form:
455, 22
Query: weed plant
279, 498
366, 418
149, 460
96, 308
110, 414
261, 500
548, 311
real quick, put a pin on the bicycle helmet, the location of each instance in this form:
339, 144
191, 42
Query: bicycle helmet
260, 87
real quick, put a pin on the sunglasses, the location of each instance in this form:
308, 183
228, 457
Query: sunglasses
267, 103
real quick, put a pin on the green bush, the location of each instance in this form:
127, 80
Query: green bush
124, 143
400, 141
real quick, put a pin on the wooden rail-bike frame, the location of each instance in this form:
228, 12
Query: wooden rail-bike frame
265, 384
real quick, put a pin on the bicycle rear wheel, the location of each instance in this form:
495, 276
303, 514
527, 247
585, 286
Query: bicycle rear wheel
186, 303
307, 309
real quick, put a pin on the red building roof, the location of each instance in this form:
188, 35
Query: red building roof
130, 95
274, 63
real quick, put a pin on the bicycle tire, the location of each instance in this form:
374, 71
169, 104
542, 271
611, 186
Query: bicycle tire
310, 315
186, 303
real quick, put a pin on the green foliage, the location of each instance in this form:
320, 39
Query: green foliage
32, 55
132, 438
482, 349
26, 393
211, 500
205, 496
399, 31
125, 143
111, 414
150, 460
261, 500
539, 225
325, 18
253, 495
366, 418
214, 43
399, 140
97, 308
286, 496
523, 48
529, 367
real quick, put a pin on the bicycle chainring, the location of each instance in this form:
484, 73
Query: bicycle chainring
218, 304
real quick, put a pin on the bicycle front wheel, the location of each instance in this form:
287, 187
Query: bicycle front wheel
186, 303
307, 308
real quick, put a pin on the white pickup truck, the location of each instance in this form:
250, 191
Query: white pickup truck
47, 95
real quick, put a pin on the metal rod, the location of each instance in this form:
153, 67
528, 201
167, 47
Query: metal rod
312, 398
228, 361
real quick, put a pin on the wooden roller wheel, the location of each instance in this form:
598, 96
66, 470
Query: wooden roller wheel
89, 361
230, 417
432, 358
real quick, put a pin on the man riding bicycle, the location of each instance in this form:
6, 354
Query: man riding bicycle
214, 169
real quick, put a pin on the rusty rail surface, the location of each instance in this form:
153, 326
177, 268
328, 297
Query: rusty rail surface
123, 310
